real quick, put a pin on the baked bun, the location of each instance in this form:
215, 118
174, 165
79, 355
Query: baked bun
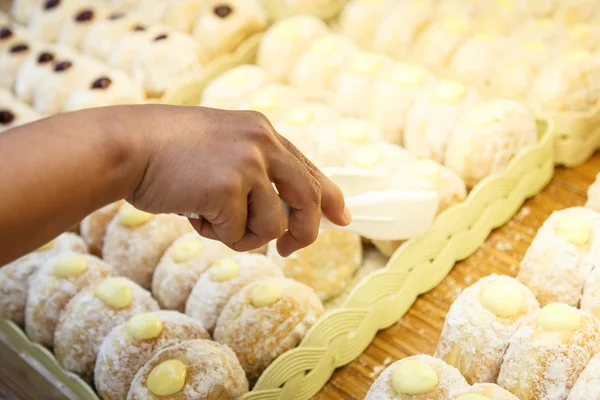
93, 227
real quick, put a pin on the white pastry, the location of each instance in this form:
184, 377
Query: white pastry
102, 35
12, 57
47, 17
360, 19
436, 45
590, 298
582, 36
485, 391
79, 21
587, 386
272, 100
125, 47
21, 10
182, 14
576, 11
475, 58
234, 86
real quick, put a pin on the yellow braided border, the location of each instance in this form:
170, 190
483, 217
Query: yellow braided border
418, 266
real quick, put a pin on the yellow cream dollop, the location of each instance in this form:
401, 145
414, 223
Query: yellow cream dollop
167, 378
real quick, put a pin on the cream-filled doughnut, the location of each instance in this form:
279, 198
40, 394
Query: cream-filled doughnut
418, 377
15, 277
568, 83
131, 344
234, 86
101, 37
315, 70
93, 227
125, 47
392, 96
400, 26
223, 280
381, 157
474, 60
590, 298
265, 319
546, 355
438, 42
108, 88
191, 370
89, 317
485, 391
587, 386
360, 18
48, 17
223, 26
561, 256
430, 121
53, 285
80, 19
12, 57
338, 139
180, 267
272, 100
285, 41
327, 265
54, 86
593, 193
480, 324
14, 113
136, 240
356, 79
487, 136
301, 123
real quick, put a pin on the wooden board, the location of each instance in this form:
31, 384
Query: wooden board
419, 330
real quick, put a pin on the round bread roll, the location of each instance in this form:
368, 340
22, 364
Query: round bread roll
393, 95
546, 355
125, 47
587, 386
361, 18
136, 240
418, 377
315, 70
89, 317
80, 19
593, 193
47, 18
100, 39
474, 60
14, 113
15, 277
234, 86
435, 47
130, 345
562, 255
285, 41
224, 25
480, 323
486, 391
487, 136
430, 120
11, 59
180, 267
272, 100
327, 265
265, 319
53, 285
192, 370
93, 227
223, 280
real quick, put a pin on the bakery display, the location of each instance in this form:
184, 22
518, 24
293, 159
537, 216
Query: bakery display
89, 317
219, 283
180, 372
135, 342
481, 322
286, 310
418, 377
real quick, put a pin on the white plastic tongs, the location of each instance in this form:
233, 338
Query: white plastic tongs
377, 212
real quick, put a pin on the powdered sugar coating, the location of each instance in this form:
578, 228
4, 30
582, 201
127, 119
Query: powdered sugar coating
590, 300
213, 372
556, 270
221, 93
259, 335
474, 152
15, 277
587, 386
86, 321
49, 294
545, 365
135, 252
450, 382
327, 265
121, 356
475, 58
593, 194
436, 45
474, 338
489, 390
208, 298
172, 282
93, 227
360, 19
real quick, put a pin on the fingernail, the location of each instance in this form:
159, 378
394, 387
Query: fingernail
347, 215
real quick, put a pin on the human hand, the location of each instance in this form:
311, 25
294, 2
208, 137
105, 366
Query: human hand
221, 165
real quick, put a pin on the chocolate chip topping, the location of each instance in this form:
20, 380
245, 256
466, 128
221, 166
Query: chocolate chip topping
85, 15
139, 28
101, 83
223, 11
19, 47
63, 66
162, 36
6, 117
5, 33
45, 57
50, 4
116, 16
